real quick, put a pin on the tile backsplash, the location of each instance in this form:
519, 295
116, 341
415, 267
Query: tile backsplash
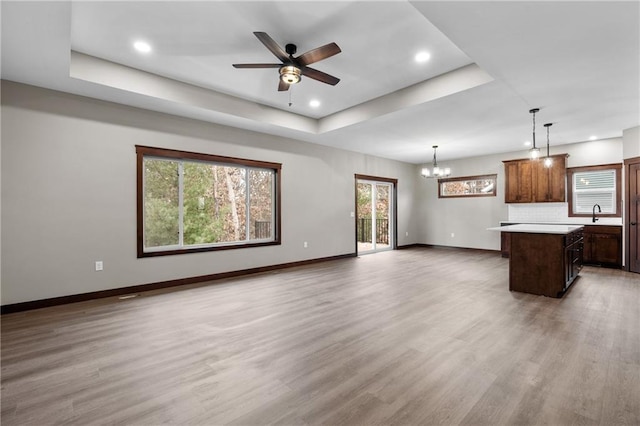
551, 212
538, 212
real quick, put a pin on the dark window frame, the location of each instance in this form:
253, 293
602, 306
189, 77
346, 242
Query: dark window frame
615, 166
146, 151
469, 178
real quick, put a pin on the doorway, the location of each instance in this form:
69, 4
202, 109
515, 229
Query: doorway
632, 172
375, 214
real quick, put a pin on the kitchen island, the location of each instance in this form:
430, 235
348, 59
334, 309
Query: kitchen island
544, 259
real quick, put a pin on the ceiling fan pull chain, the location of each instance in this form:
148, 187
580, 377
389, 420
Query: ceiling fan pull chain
290, 90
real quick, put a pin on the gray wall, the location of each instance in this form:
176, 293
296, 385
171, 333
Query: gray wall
68, 194
631, 140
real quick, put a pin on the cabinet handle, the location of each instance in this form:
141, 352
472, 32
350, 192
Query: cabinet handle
633, 223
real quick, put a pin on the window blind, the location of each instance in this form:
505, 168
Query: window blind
594, 187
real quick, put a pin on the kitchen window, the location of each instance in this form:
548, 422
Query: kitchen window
189, 202
593, 185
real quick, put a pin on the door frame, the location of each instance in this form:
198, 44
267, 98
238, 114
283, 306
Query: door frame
394, 207
627, 212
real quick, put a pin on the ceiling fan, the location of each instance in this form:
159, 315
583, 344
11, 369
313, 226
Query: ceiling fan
292, 69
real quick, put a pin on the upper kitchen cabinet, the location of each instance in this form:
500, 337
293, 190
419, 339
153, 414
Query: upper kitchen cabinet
550, 182
529, 181
518, 181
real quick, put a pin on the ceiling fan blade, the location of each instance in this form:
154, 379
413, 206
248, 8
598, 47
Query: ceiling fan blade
320, 76
257, 65
318, 54
282, 86
272, 46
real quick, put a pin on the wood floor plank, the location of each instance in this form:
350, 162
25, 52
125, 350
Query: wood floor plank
419, 336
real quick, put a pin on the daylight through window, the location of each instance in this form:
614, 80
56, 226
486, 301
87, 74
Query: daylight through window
594, 185
195, 202
467, 186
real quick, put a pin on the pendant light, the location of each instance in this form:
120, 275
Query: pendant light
548, 161
436, 172
534, 152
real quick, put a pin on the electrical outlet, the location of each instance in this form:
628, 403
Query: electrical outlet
305, 244
406, 234
453, 235
99, 265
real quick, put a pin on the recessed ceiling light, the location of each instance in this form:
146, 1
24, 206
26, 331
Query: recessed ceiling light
142, 46
527, 143
422, 57
593, 138
314, 103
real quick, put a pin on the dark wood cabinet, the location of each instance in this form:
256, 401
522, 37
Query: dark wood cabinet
550, 182
505, 244
574, 256
544, 264
529, 181
603, 245
518, 181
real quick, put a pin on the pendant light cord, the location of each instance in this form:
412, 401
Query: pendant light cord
533, 111
549, 125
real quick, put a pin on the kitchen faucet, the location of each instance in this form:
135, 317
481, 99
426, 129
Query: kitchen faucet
594, 219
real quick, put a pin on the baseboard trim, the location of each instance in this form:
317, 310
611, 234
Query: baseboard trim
82, 297
410, 246
422, 245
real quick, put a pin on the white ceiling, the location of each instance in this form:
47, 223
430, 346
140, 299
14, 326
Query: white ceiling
491, 62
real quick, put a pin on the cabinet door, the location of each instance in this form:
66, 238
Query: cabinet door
525, 181
603, 245
518, 181
587, 257
511, 191
541, 182
558, 180
550, 182
606, 249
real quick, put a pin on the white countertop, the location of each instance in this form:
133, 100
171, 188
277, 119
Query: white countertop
604, 221
537, 228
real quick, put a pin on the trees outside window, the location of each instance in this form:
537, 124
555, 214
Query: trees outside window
196, 202
467, 186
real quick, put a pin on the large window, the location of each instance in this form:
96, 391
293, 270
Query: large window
196, 202
593, 185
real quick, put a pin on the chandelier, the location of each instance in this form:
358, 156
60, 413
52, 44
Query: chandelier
435, 171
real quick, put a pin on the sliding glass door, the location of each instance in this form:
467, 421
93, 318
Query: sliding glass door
375, 220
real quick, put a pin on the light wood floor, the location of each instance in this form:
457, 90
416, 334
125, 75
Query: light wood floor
420, 336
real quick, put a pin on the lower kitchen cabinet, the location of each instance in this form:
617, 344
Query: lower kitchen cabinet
544, 263
505, 244
603, 245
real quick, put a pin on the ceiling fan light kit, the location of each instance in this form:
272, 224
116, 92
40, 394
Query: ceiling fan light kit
290, 74
292, 69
